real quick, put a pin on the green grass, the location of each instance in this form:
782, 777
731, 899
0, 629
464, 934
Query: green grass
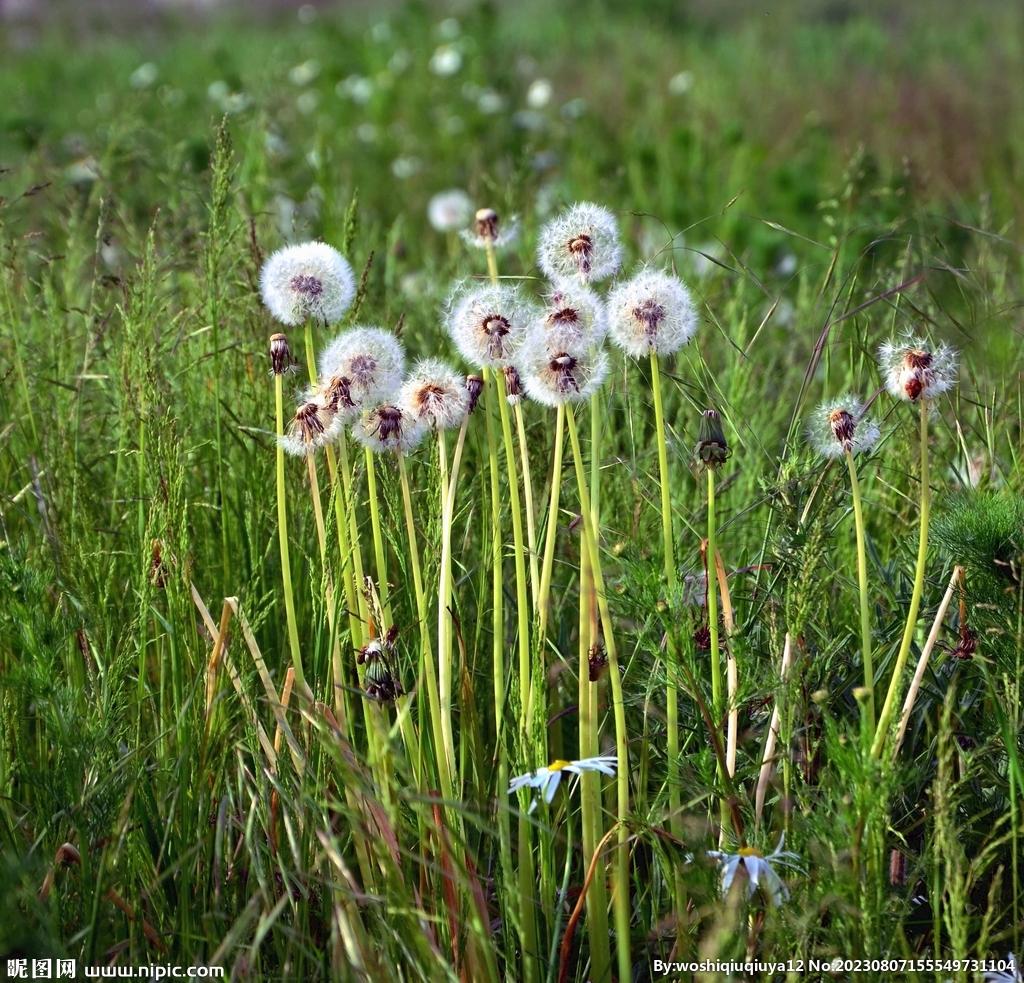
825, 183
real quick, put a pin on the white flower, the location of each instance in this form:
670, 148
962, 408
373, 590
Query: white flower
758, 869
389, 428
1012, 975
556, 376
446, 60
487, 230
838, 426
435, 394
539, 94
546, 779
915, 369
449, 210
310, 280
573, 317
651, 314
582, 242
368, 362
314, 425
489, 323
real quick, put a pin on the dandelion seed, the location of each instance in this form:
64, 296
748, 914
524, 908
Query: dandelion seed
365, 365
651, 314
555, 377
314, 425
489, 323
838, 426
573, 317
389, 428
310, 280
488, 231
546, 780
581, 243
915, 369
758, 869
435, 394
450, 210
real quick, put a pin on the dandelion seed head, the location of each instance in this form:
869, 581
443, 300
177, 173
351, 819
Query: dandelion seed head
651, 314
314, 425
513, 386
573, 316
367, 364
914, 368
838, 426
489, 323
389, 428
435, 394
489, 230
450, 210
310, 280
581, 243
555, 377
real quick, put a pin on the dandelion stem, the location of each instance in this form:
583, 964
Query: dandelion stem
531, 522
620, 899
551, 533
378, 538
712, 575
862, 584
915, 599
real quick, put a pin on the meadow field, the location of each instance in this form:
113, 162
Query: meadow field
684, 640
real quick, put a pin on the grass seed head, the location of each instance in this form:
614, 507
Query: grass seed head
580, 244
914, 368
651, 314
838, 426
310, 280
435, 394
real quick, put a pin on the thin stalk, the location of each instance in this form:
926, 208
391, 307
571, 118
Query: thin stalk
915, 599
551, 533
862, 584
531, 522
716, 657
378, 537
620, 898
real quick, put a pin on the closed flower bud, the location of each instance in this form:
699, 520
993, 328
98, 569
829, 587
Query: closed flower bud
280, 355
474, 387
712, 449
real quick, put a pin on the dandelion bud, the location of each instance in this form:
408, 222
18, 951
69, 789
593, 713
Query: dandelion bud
314, 426
914, 369
573, 317
474, 387
487, 232
280, 355
582, 243
435, 395
362, 366
389, 428
489, 323
557, 377
837, 427
487, 224
311, 280
513, 386
712, 449
651, 314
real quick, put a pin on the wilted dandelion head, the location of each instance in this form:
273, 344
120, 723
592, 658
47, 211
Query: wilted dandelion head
915, 368
513, 386
556, 376
488, 323
366, 365
435, 394
651, 314
310, 280
281, 360
582, 243
838, 426
489, 230
449, 211
474, 387
314, 426
573, 316
389, 427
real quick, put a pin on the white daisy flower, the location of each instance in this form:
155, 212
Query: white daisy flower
389, 428
310, 280
838, 426
1012, 975
450, 210
582, 243
651, 314
573, 317
489, 323
364, 366
435, 394
488, 230
915, 369
758, 869
547, 779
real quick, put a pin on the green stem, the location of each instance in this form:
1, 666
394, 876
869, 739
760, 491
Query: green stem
716, 658
378, 538
551, 533
862, 584
531, 522
915, 599
620, 897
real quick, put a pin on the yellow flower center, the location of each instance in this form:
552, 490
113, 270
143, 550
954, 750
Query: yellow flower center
558, 765
749, 851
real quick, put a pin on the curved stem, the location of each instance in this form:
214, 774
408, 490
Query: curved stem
915, 599
862, 584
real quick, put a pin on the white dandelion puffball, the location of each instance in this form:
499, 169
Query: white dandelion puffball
435, 394
449, 211
582, 243
555, 376
489, 323
915, 369
573, 316
651, 314
838, 426
310, 280
389, 428
314, 425
368, 364
489, 229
